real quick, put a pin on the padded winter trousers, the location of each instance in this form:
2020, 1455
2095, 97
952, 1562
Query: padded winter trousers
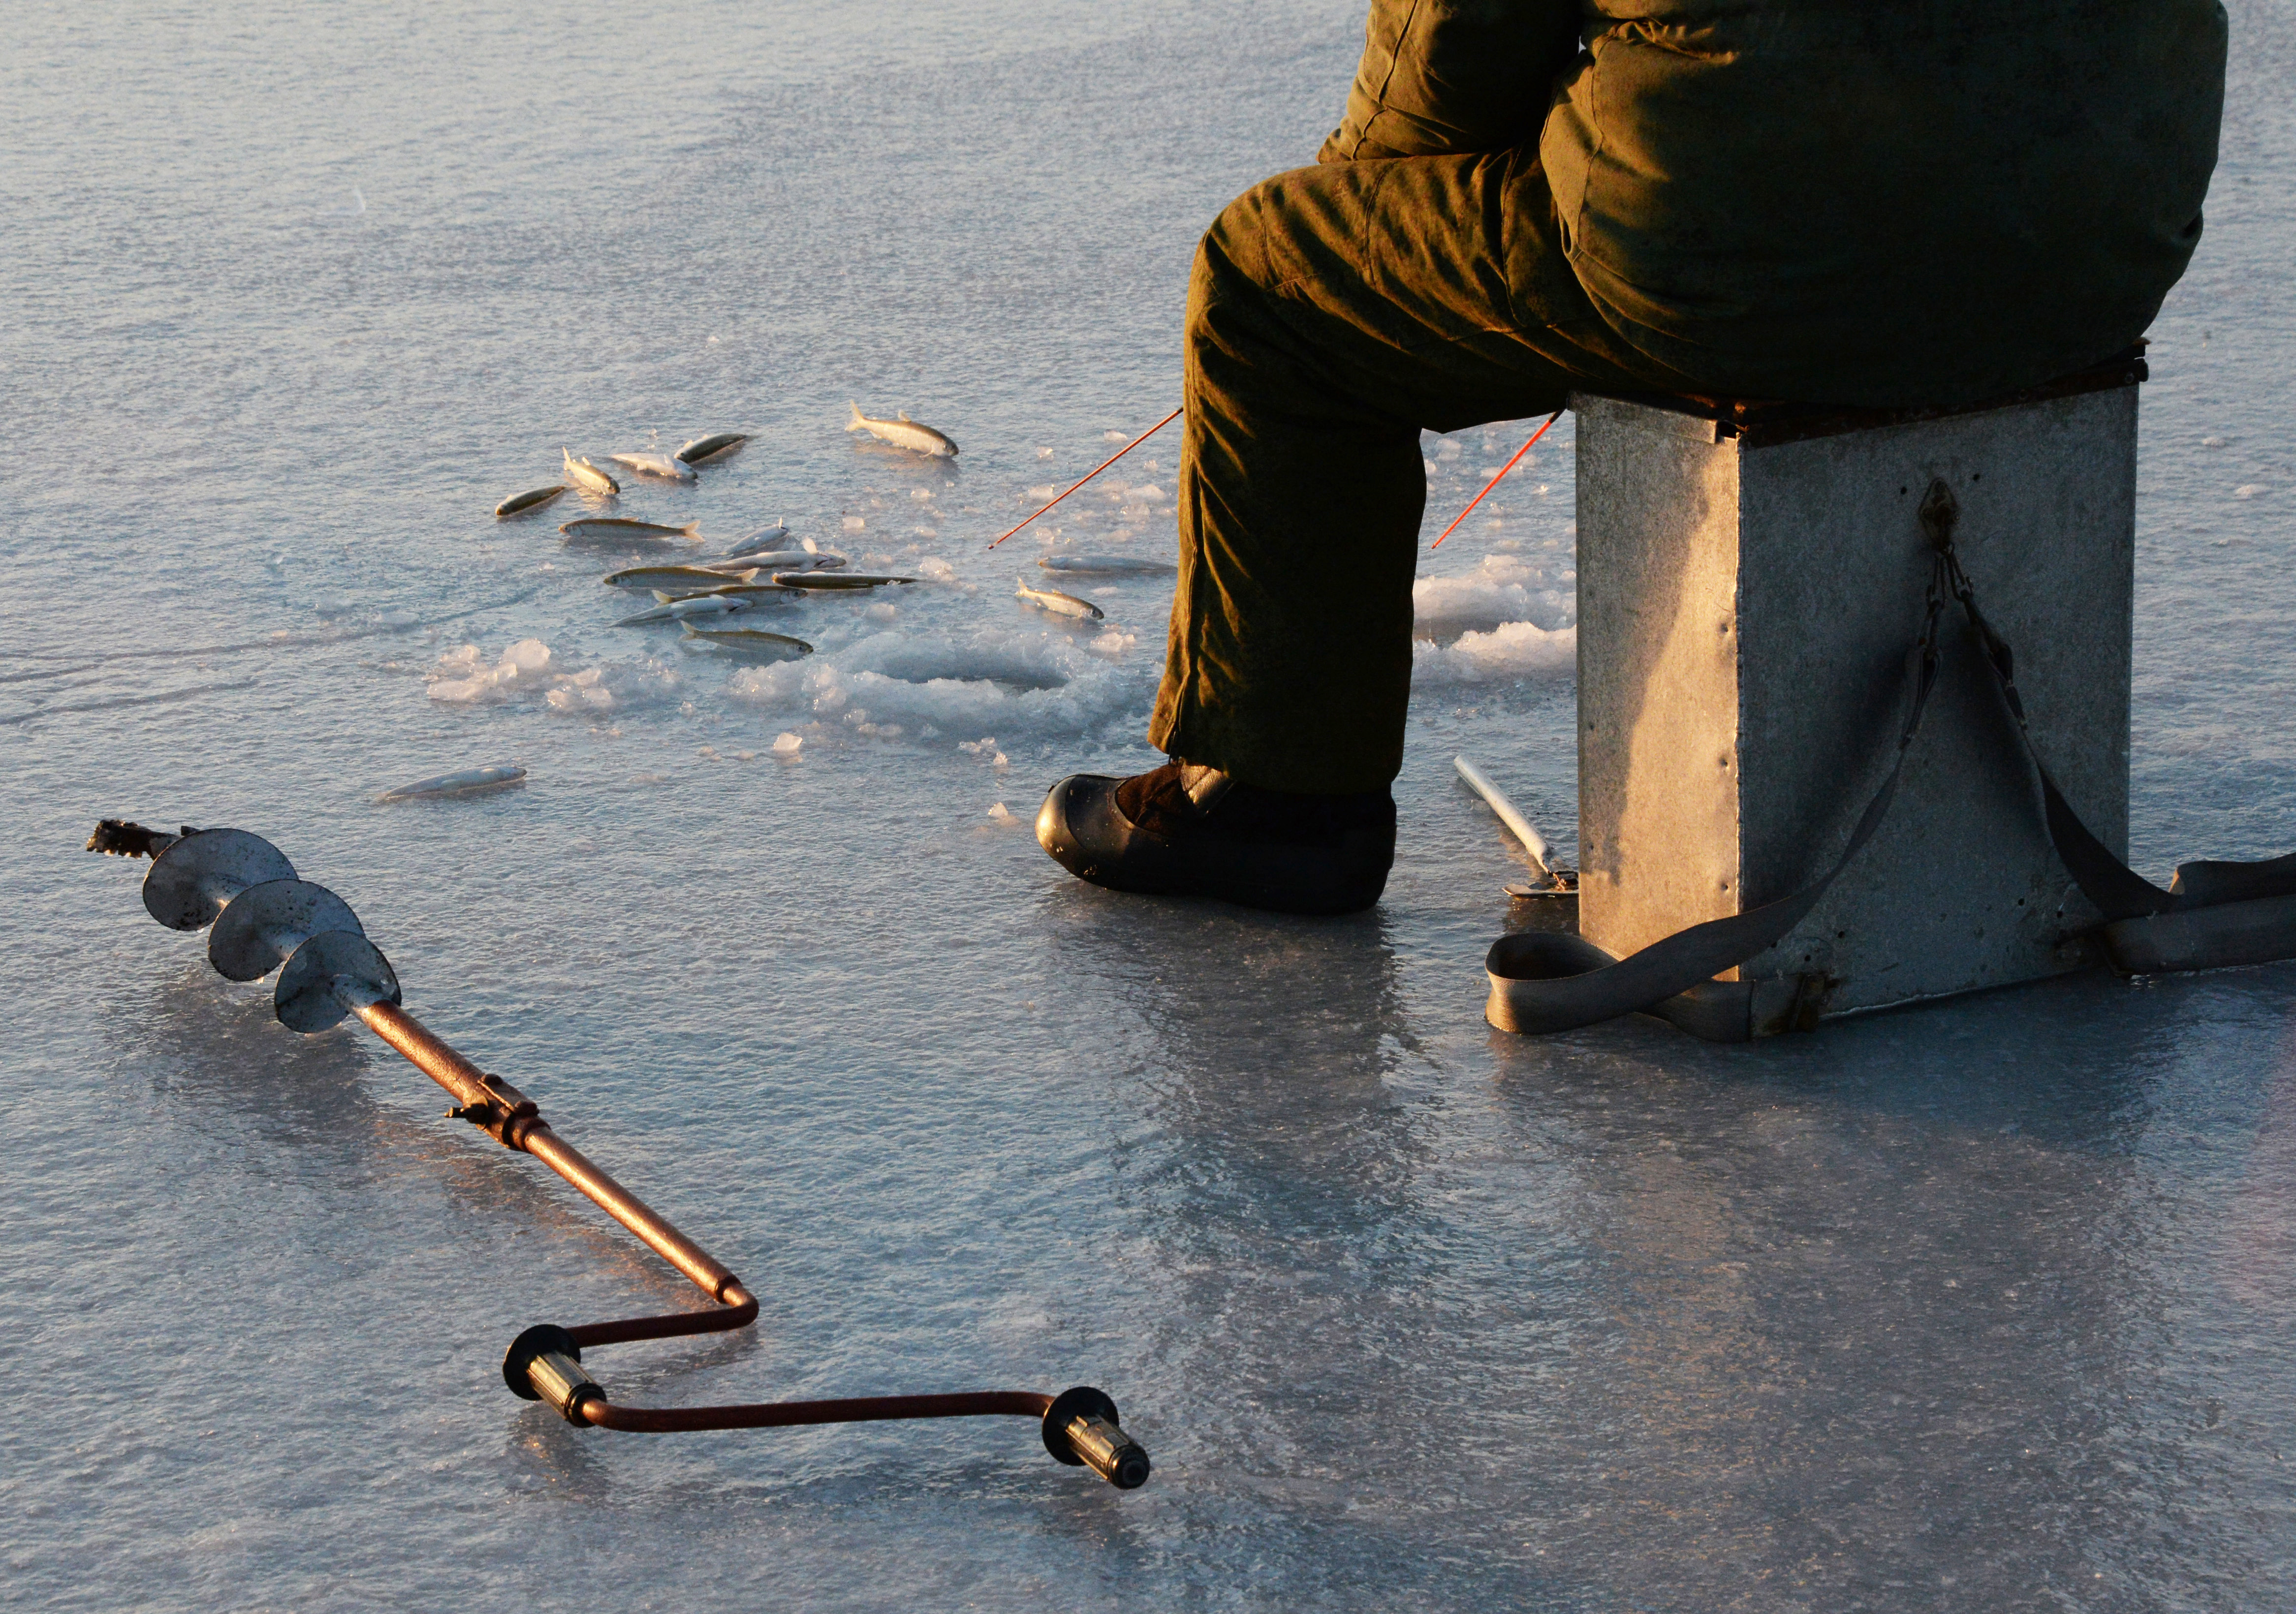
1333, 312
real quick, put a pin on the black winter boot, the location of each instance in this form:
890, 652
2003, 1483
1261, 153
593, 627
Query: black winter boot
1186, 831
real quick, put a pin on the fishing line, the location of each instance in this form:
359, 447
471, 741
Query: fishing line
1494, 482
1105, 464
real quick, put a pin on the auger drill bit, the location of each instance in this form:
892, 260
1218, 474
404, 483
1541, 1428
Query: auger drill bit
263, 918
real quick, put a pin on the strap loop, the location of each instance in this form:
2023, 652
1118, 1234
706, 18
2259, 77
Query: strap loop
2214, 914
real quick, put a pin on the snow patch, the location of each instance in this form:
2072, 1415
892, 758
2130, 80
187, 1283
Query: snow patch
1509, 651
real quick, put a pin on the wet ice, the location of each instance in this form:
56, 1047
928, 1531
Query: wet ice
1982, 1306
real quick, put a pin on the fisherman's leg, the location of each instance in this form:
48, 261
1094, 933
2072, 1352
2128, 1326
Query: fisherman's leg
1333, 312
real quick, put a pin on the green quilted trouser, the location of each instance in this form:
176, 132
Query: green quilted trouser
1335, 312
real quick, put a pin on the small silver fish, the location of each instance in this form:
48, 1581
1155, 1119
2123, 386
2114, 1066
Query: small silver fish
770, 558
656, 465
763, 539
616, 529
693, 605
671, 576
780, 560
528, 501
751, 641
836, 579
1060, 604
732, 591
463, 783
586, 476
1107, 565
710, 447
902, 432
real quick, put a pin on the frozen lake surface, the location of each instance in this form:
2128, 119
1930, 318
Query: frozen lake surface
1988, 1305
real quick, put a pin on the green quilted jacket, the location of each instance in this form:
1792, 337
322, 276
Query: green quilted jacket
1859, 201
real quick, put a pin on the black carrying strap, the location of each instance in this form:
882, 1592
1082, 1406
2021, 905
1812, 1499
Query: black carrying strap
1545, 982
2214, 913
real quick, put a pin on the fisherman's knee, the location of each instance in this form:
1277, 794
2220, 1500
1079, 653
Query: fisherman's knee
1244, 248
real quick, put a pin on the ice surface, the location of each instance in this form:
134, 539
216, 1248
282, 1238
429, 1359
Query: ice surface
1983, 1305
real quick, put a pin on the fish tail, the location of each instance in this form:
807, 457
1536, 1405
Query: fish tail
691, 529
860, 421
689, 630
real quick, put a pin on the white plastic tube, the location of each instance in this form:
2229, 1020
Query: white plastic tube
1524, 830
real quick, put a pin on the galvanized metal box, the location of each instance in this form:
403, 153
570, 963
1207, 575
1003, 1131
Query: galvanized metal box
1749, 589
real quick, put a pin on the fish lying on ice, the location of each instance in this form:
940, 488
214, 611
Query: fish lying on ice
709, 448
1060, 604
751, 641
616, 529
673, 576
765, 538
693, 605
779, 559
586, 476
770, 558
656, 465
1107, 565
836, 579
902, 432
732, 591
528, 501
463, 783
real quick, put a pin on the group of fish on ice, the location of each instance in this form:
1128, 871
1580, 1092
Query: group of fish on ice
721, 584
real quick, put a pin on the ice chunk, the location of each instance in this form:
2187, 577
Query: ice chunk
1512, 650
527, 656
787, 745
1502, 588
458, 691
991, 678
1001, 813
855, 523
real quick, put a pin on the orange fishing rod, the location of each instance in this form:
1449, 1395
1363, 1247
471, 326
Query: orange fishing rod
1103, 465
1495, 481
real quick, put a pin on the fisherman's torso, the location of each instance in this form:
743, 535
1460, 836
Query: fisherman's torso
1883, 204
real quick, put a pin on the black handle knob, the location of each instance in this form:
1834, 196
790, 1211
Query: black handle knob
1081, 1429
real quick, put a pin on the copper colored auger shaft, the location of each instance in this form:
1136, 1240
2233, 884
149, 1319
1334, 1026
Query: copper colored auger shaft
1079, 1426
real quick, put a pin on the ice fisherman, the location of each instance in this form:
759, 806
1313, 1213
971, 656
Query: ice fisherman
1872, 202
